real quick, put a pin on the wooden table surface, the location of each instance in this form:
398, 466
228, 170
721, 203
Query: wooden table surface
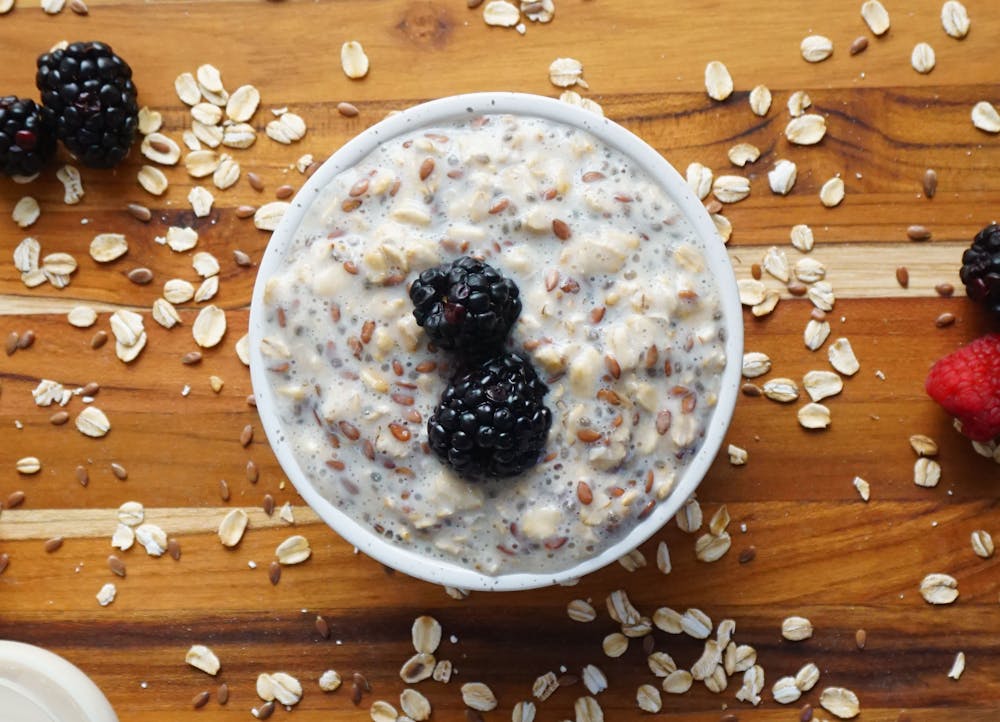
821, 552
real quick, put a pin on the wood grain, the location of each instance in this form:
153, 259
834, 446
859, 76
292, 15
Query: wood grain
820, 551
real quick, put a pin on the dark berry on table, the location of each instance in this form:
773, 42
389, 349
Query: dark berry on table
981, 268
90, 93
27, 139
492, 421
466, 306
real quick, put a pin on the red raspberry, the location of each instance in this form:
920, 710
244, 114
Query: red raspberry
967, 384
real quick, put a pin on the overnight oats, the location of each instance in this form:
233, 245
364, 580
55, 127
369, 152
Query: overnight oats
618, 326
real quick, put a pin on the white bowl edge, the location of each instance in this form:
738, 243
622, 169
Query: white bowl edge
457, 107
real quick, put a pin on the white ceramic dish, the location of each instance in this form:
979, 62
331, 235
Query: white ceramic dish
39, 686
451, 109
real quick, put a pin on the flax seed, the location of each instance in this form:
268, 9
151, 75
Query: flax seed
612, 366
284, 192
27, 339
59, 418
755, 271
246, 436
861, 638
119, 471
116, 565
201, 699
347, 110
255, 181
245, 211
561, 229
265, 710
252, 473
797, 288
930, 182
322, 627
223, 490
752, 390
53, 544
859, 45
174, 549
268, 504
14, 499
4, 562
223, 693
99, 339
944, 320
140, 276
903, 276
11, 344
748, 555
806, 713
191, 358
945, 290
139, 212
918, 233
274, 572
82, 476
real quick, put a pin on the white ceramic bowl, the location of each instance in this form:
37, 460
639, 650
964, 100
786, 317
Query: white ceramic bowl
450, 109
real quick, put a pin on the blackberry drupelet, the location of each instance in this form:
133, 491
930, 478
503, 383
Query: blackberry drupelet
467, 306
27, 140
90, 92
981, 268
492, 421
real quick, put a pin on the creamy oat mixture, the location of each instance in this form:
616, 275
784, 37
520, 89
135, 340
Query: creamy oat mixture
621, 317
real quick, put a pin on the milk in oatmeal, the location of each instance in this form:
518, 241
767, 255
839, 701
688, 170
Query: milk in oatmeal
620, 316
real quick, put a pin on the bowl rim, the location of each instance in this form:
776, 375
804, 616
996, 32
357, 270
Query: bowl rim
450, 109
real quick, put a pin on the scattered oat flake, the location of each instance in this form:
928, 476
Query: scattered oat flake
782, 177
842, 357
955, 19
478, 696
982, 543
985, 117
922, 58
107, 594
232, 527
760, 100
201, 657
831, 194
796, 629
926, 472
353, 60
876, 17
93, 422
293, 550
939, 588
840, 702
26, 212
807, 129
209, 327
957, 667
718, 81
816, 48
863, 487
566, 72
500, 13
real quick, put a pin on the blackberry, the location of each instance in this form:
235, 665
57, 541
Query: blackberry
466, 305
27, 141
981, 268
90, 92
491, 421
